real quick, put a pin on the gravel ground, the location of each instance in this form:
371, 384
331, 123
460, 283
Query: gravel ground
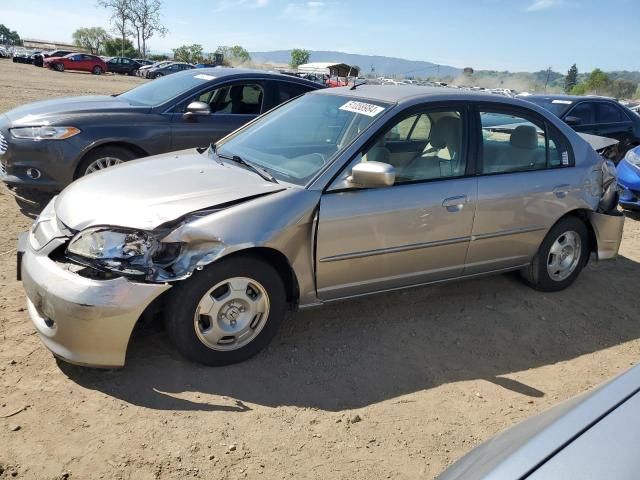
394, 386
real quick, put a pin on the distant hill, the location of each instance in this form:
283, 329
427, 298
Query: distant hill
385, 66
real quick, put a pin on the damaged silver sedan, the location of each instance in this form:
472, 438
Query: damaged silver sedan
336, 194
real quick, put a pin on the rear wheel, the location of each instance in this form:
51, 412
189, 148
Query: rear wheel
226, 313
104, 157
561, 257
97, 70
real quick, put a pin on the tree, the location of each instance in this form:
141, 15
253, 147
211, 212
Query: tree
235, 54
571, 80
158, 57
145, 18
299, 57
598, 82
92, 38
579, 89
9, 36
188, 53
120, 18
623, 89
113, 48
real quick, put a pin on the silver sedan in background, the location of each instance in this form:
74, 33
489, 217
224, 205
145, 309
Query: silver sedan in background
336, 194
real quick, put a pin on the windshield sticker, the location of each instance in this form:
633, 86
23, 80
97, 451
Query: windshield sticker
564, 102
565, 158
202, 76
362, 108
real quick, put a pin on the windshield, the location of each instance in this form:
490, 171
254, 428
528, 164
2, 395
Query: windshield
164, 89
555, 106
295, 141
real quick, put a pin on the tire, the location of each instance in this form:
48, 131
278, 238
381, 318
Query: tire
97, 70
187, 331
59, 67
566, 269
158, 75
101, 155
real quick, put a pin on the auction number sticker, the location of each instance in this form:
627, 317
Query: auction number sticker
563, 102
362, 108
202, 76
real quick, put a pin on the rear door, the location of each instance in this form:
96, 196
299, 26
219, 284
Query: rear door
87, 63
613, 122
114, 65
232, 105
526, 181
412, 232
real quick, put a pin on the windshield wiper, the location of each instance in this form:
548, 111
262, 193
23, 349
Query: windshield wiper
260, 171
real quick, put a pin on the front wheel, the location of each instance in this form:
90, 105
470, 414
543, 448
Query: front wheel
59, 67
561, 257
102, 158
226, 313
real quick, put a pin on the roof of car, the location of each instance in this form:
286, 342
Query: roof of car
572, 98
405, 93
218, 72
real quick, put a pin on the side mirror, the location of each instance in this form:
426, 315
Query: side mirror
197, 109
372, 174
572, 120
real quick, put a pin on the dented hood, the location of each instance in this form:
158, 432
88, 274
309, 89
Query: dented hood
146, 193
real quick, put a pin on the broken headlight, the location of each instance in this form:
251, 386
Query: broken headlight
119, 250
633, 157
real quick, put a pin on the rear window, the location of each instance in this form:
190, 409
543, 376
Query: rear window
609, 113
166, 88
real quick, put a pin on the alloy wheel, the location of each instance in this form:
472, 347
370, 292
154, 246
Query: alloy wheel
101, 164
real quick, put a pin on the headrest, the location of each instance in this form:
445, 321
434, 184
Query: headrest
525, 137
445, 132
236, 92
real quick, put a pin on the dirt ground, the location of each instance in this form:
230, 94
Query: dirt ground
392, 386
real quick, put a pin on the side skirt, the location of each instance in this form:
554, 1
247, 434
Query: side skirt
435, 282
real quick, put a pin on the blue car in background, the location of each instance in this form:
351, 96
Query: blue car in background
629, 180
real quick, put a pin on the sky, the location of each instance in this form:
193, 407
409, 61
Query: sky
515, 35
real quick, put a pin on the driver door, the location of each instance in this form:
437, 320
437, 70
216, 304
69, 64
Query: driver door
415, 231
232, 105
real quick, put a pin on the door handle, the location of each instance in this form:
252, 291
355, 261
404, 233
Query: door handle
561, 191
455, 204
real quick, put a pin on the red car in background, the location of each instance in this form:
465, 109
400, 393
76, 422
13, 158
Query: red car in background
77, 61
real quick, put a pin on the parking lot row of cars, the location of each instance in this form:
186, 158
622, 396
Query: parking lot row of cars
62, 60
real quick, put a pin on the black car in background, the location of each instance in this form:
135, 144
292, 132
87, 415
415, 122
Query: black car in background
38, 58
48, 144
123, 65
600, 116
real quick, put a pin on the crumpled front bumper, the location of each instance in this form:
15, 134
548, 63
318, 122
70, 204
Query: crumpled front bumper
81, 320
